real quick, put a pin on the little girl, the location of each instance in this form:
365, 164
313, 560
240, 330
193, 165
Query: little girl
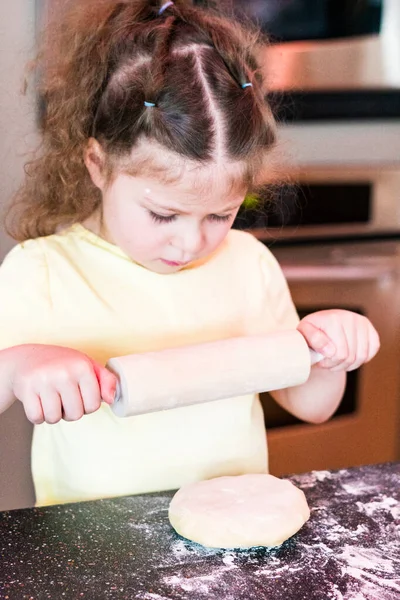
155, 128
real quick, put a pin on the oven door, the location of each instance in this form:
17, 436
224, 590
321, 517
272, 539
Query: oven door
363, 277
325, 203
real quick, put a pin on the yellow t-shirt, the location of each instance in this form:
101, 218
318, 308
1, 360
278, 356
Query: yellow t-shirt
75, 289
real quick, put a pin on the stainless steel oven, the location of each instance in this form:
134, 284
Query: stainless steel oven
359, 276
336, 234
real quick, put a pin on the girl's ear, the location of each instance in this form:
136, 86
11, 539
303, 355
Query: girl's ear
94, 158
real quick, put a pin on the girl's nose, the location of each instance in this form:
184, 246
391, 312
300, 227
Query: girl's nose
191, 240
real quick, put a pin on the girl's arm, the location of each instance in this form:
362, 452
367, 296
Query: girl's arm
316, 400
346, 340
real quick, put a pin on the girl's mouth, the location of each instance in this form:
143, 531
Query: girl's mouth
171, 263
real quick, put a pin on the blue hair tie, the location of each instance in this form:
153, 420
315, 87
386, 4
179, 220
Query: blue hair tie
165, 6
245, 85
149, 103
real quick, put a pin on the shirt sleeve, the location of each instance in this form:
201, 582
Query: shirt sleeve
25, 301
281, 306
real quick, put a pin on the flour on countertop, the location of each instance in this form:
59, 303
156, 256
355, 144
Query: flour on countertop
352, 534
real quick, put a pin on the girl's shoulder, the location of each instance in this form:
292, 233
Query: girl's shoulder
43, 249
254, 257
24, 284
247, 245
27, 271
30, 256
24, 255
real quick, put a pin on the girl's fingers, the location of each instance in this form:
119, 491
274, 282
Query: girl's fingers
336, 353
72, 403
51, 405
33, 409
374, 342
362, 347
59, 383
347, 340
343, 356
107, 382
317, 339
90, 392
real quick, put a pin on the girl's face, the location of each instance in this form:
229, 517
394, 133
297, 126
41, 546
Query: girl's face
167, 227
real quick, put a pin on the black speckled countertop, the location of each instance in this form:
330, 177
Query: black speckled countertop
124, 548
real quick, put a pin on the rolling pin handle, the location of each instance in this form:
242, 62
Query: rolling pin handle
118, 393
315, 357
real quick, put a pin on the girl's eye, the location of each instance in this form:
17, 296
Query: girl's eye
164, 219
219, 218
160, 218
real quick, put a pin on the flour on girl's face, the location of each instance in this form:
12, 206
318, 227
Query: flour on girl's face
157, 223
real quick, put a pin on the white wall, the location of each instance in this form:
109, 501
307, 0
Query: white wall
16, 136
16, 110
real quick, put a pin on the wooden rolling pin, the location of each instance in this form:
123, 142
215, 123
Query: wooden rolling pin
178, 377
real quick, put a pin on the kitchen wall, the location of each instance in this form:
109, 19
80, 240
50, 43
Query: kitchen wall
16, 137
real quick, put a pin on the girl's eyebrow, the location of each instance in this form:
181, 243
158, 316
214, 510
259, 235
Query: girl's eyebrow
166, 208
183, 212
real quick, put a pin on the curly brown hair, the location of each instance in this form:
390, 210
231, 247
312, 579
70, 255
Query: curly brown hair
101, 61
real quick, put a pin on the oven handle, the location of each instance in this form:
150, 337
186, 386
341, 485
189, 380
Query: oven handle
337, 272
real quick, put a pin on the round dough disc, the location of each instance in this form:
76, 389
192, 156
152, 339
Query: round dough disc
239, 512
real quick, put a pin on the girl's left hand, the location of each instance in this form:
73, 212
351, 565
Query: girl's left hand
346, 339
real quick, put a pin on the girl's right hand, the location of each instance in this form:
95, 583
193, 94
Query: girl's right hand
55, 383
